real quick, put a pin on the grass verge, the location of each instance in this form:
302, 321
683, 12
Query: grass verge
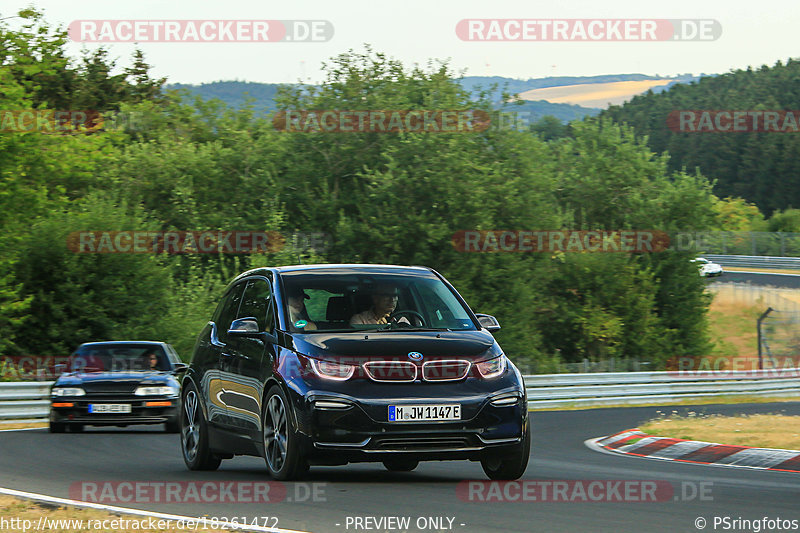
14, 512
761, 430
762, 270
724, 400
23, 425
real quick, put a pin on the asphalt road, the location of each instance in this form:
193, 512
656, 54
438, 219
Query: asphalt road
46, 463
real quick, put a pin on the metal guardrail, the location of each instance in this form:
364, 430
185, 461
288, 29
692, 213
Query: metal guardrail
636, 388
26, 401
31, 400
755, 261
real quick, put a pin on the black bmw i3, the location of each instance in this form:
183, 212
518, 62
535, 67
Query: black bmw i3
332, 364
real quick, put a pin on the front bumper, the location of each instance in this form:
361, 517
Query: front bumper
141, 413
340, 428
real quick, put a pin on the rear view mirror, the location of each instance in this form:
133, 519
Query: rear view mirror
177, 368
489, 322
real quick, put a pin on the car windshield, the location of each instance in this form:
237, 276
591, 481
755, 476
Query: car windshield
118, 358
323, 301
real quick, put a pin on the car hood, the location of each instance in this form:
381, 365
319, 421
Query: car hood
397, 344
76, 378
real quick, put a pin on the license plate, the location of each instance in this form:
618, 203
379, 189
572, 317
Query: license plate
424, 413
109, 408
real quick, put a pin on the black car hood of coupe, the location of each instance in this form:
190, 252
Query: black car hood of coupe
146, 377
396, 344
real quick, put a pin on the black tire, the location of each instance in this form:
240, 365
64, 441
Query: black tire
282, 445
400, 465
512, 465
194, 433
56, 427
172, 426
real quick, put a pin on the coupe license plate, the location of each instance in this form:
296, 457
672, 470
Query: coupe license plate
109, 408
424, 413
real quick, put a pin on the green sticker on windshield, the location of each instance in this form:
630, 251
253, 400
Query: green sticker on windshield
300, 324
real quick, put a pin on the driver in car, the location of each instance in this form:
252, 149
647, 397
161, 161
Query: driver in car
384, 302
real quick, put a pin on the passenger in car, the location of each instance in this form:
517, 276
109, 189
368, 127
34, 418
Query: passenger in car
384, 302
297, 310
151, 360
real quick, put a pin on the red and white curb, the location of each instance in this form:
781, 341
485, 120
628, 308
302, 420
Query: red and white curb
637, 443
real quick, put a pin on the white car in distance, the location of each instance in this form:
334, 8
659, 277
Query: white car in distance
708, 268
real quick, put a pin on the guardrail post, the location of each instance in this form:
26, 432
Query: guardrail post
760, 337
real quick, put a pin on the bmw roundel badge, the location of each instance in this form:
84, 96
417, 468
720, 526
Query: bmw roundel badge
415, 356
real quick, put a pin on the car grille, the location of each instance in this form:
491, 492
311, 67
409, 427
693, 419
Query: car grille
422, 443
392, 371
448, 370
111, 387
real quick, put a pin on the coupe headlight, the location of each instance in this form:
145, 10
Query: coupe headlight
156, 391
493, 367
68, 391
334, 371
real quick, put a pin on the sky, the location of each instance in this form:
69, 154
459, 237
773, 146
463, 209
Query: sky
417, 31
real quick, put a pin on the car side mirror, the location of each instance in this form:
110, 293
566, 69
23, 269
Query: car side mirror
489, 322
248, 327
177, 368
244, 327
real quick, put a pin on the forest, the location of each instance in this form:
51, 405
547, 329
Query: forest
157, 163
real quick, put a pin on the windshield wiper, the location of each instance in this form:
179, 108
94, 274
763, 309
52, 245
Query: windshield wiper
396, 327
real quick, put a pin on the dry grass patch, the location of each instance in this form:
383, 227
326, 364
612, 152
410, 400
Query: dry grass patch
708, 400
597, 95
20, 510
763, 431
732, 326
762, 270
24, 425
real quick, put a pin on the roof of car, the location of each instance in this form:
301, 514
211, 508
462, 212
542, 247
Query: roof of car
330, 266
293, 268
122, 342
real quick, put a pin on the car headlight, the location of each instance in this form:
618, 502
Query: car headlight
162, 390
493, 367
330, 370
68, 391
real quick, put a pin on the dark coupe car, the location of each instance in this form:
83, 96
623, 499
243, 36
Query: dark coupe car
118, 384
331, 364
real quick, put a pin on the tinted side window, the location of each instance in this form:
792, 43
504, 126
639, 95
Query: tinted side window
257, 302
229, 309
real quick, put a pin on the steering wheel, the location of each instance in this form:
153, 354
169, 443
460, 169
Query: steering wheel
407, 312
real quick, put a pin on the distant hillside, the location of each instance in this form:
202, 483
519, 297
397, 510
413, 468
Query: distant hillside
763, 168
553, 101
236, 93
472, 83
